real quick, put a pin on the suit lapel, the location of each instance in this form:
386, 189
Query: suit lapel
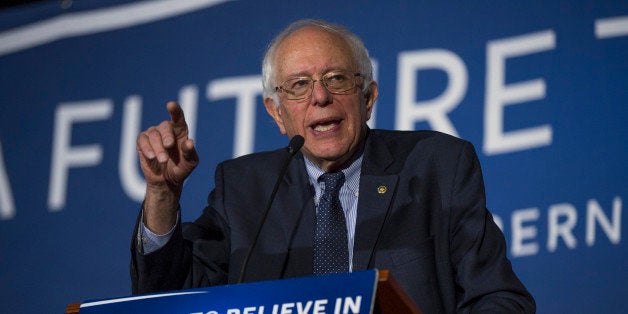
377, 190
295, 206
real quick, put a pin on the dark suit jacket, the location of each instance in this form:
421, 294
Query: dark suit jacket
430, 228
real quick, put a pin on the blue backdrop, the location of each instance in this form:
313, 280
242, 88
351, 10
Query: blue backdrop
540, 89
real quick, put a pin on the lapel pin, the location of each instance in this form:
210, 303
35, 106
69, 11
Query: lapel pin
382, 189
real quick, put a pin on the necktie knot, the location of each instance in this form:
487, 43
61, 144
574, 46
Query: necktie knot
333, 181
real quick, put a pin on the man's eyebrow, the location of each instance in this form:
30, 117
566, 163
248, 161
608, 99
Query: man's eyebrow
299, 74
309, 74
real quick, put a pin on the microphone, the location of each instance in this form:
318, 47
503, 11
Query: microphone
295, 144
293, 147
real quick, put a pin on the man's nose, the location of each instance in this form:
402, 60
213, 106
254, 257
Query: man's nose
320, 95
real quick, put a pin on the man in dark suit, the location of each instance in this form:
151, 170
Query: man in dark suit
410, 202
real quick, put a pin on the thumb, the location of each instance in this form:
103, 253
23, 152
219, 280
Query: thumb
189, 151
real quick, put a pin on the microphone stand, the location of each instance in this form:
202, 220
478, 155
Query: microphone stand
295, 145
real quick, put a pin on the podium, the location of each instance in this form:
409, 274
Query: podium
370, 291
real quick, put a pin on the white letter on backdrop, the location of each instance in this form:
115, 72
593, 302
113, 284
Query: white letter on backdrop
410, 111
564, 229
64, 155
7, 203
499, 95
245, 90
521, 233
612, 228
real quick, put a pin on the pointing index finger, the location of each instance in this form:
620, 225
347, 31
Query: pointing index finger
178, 119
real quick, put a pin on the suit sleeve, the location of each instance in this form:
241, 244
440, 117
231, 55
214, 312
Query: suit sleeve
196, 255
485, 280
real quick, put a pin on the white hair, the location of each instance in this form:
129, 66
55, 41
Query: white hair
358, 50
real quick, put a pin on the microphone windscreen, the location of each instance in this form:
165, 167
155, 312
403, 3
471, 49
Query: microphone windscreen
295, 144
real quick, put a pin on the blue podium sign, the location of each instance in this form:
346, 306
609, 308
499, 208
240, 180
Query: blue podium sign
337, 293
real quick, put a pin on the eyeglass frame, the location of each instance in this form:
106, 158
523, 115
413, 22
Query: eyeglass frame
280, 88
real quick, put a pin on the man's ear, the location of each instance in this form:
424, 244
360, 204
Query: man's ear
274, 111
370, 98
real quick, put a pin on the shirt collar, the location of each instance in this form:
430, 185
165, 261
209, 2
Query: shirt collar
351, 172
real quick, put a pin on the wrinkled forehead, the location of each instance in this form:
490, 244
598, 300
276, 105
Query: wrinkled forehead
312, 50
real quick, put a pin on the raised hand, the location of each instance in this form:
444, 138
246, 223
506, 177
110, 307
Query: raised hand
167, 157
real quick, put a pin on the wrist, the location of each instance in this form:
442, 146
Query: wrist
160, 208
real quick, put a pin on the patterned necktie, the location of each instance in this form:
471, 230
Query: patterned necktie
331, 254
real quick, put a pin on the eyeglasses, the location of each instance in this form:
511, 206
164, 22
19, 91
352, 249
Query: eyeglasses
336, 82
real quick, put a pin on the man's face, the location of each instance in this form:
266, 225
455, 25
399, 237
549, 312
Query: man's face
334, 126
